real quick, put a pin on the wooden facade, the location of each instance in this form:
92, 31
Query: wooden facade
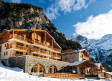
30, 42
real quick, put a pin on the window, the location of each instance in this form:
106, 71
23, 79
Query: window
38, 68
20, 44
65, 58
4, 53
5, 45
52, 69
17, 52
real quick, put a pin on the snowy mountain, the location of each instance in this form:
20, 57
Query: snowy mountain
16, 74
100, 49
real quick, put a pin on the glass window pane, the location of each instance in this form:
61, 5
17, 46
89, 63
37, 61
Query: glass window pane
35, 69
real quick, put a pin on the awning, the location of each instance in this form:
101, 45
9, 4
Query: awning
84, 63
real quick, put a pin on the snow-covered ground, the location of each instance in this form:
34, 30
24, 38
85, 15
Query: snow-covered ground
16, 74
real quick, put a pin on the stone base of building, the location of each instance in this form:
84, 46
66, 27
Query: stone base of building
27, 62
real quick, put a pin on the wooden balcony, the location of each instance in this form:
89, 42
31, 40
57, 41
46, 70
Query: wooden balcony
15, 55
57, 49
45, 53
95, 72
48, 46
56, 56
41, 52
19, 37
63, 75
15, 46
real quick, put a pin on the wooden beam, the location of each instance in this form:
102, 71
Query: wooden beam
45, 37
34, 37
13, 33
52, 43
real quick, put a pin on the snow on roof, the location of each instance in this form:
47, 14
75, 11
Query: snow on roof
109, 73
77, 63
74, 51
98, 64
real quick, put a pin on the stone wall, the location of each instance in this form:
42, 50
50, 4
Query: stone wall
17, 62
72, 57
46, 63
27, 63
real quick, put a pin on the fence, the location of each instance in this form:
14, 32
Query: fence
63, 75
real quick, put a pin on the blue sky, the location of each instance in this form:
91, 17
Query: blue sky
90, 18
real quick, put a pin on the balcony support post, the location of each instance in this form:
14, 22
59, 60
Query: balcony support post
52, 43
34, 37
45, 37
13, 33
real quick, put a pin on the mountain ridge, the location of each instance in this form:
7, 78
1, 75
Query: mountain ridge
100, 50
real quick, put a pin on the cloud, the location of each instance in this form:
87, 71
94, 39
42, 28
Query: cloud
52, 13
66, 6
15, 1
95, 27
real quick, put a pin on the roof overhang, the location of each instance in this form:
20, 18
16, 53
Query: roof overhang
84, 63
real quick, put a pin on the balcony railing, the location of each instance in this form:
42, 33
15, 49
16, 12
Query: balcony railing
57, 49
49, 46
23, 39
63, 75
15, 46
15, 55
42, 52
95, 72
20, 37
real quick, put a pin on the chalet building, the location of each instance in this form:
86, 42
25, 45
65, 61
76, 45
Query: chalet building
37, 48
25, 42
75, 55
36, 52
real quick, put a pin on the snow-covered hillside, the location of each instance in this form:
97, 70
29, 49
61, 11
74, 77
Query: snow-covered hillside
100, 49
16, 74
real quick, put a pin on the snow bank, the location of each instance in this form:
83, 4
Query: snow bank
16, 74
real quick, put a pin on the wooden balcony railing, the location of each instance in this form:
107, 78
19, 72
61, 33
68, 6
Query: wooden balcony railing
62, 75
23, 39
42, 52
35, 50
57, 49
15, 55
20, 37
56, 56
15, 46
49, 46
95, 72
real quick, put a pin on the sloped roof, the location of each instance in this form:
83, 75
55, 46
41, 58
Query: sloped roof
76, 63
73, 51
98, 64
109, 73
84, 63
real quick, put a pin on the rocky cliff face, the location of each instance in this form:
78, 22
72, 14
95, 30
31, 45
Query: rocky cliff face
27, 16
22, 16
100, 50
